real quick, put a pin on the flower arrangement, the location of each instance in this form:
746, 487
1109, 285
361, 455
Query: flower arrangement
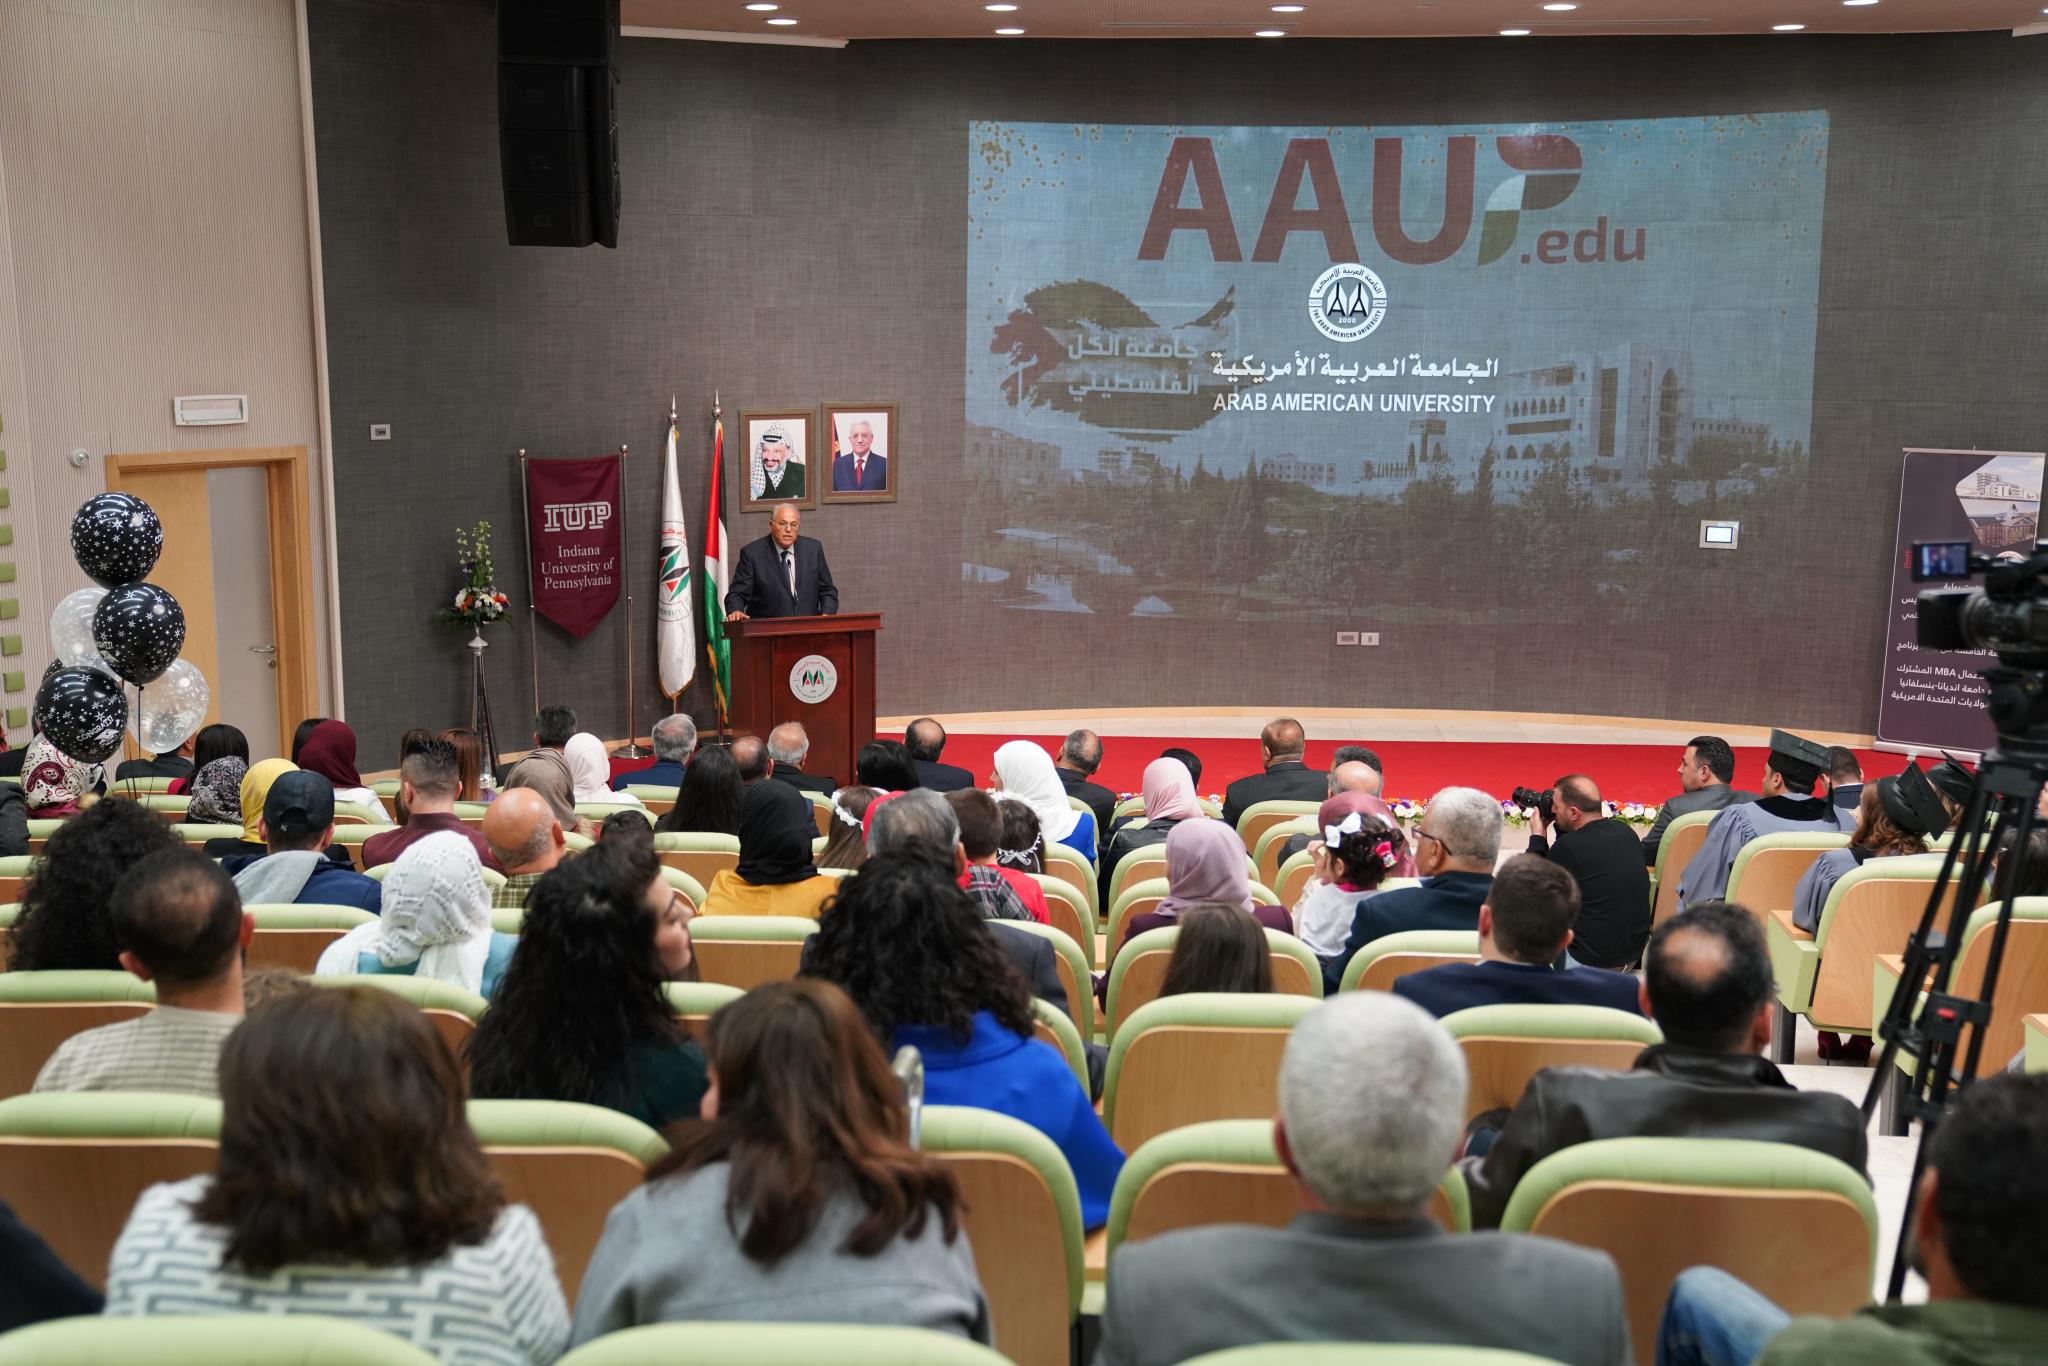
478, 602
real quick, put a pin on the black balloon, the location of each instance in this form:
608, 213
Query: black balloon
83, 713
139, 629
116, 538
35, 716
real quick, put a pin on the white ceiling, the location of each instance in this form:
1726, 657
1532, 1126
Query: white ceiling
841, 20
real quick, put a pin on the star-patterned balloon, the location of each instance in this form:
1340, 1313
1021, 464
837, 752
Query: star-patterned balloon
139, 629
82, 713
116, 538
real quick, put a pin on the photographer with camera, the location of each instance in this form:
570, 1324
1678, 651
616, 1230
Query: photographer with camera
1605, 858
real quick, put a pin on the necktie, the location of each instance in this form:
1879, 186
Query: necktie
789, 568
859, 472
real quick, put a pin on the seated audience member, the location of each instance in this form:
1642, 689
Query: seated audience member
590, 772
708, 802
885, 765
544, 769
1023, 847
1025, 772
297, 826
1219, 948
1285, 776
1358, 851
176, 764
906, 944
63, 921
1976, 1240
750, 757
626, 824
215, 793
1457, 842
789, 744
255, 790
1359, 781
349, 1184
473, 781
427, 784
1169, 796
35, 1285
526, 840
582, 1013
1205, 861
330, 751
1894, 816
2031, 878
674, 737
798, 1199
1844, 778
13, 821
1604, 857
1356, 754
926, 740
54, 785
1372, 1095
305, 733
1953, 780
407, 743
1189, 760
775, 875
981, 837
1791, 769
1079, 759
846, 845
1707, 983
217, 741
181, 926
436, 922
1524, 928
1705, 770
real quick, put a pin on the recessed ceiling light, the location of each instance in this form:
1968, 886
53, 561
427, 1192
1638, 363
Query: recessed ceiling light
1560, 8
1786, 28
1514, 33
1857, 4
999, 9
1289, 9
1009, 32
1271, 33
782, 23
764, 8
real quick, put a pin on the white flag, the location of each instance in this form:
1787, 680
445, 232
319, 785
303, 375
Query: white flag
675, 645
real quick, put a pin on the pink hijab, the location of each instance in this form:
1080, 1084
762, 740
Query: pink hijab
1205, 861
1333, 812
1169, 791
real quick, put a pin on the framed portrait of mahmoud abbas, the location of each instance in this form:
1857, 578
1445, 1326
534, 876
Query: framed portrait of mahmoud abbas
778, 460
862, 461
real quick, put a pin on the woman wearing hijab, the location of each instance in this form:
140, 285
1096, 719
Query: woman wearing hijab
547, 772
254, 793
436, 922
330, 751
1025, 772
217, 741
775, 875
217, 793
1205, 861
590, 772
1357, 850
1169, 799
53, 781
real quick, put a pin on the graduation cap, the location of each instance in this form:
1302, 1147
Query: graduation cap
1799, 750
1912, 802
1951, 779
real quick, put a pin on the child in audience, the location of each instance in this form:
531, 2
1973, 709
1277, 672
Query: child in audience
1219, 948
844, 845
1023, 847
797, 1198
1358, 851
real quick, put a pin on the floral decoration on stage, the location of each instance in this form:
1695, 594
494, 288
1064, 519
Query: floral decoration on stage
478, 602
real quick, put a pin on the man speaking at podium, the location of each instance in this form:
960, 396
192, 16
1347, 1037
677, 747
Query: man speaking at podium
782, 574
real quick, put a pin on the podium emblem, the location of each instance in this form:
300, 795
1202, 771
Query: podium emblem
813, 679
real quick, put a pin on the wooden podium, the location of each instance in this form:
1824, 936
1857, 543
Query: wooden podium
817, 670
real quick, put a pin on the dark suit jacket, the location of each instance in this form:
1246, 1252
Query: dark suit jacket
1100, 800
661, 773
1448, 901
1684, 804
163, 766
34, 1285
802, 781
874, 475
1460, 986
1324, 1278
1672, 1092
760, 589
938, 777
1288, 781
1604, 858
1033, 956
1847, 796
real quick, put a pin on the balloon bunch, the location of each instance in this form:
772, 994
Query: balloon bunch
123, 630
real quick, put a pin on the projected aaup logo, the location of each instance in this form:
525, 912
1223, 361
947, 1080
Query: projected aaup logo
1347, 302
813, 679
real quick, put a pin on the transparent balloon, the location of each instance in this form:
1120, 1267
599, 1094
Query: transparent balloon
173, 708
71, 629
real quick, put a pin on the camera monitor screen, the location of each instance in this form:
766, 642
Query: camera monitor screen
1940, 560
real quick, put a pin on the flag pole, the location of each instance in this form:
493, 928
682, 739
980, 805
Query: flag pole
717, 688
675, 699
532, 620
632, 749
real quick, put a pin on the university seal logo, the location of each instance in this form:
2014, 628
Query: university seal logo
1347, 302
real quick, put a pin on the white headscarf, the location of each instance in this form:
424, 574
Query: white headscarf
590, 770
437, 913
1026, 773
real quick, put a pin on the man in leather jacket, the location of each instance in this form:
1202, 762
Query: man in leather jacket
1708, 985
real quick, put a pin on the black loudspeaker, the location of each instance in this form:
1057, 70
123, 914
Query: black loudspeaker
557, 122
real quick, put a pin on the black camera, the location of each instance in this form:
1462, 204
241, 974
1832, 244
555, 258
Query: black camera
2007, 617
1537, 798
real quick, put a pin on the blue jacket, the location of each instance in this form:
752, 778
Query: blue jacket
1081, 839
661, 773
1458, 986
499, 958
1015, 1075
332, 884
1448, 901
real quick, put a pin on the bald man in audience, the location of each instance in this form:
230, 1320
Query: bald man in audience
1286, 777
1605, 858
1079, 757
750, 757
1353, 776
1372, 1096
789, 744
526, 839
